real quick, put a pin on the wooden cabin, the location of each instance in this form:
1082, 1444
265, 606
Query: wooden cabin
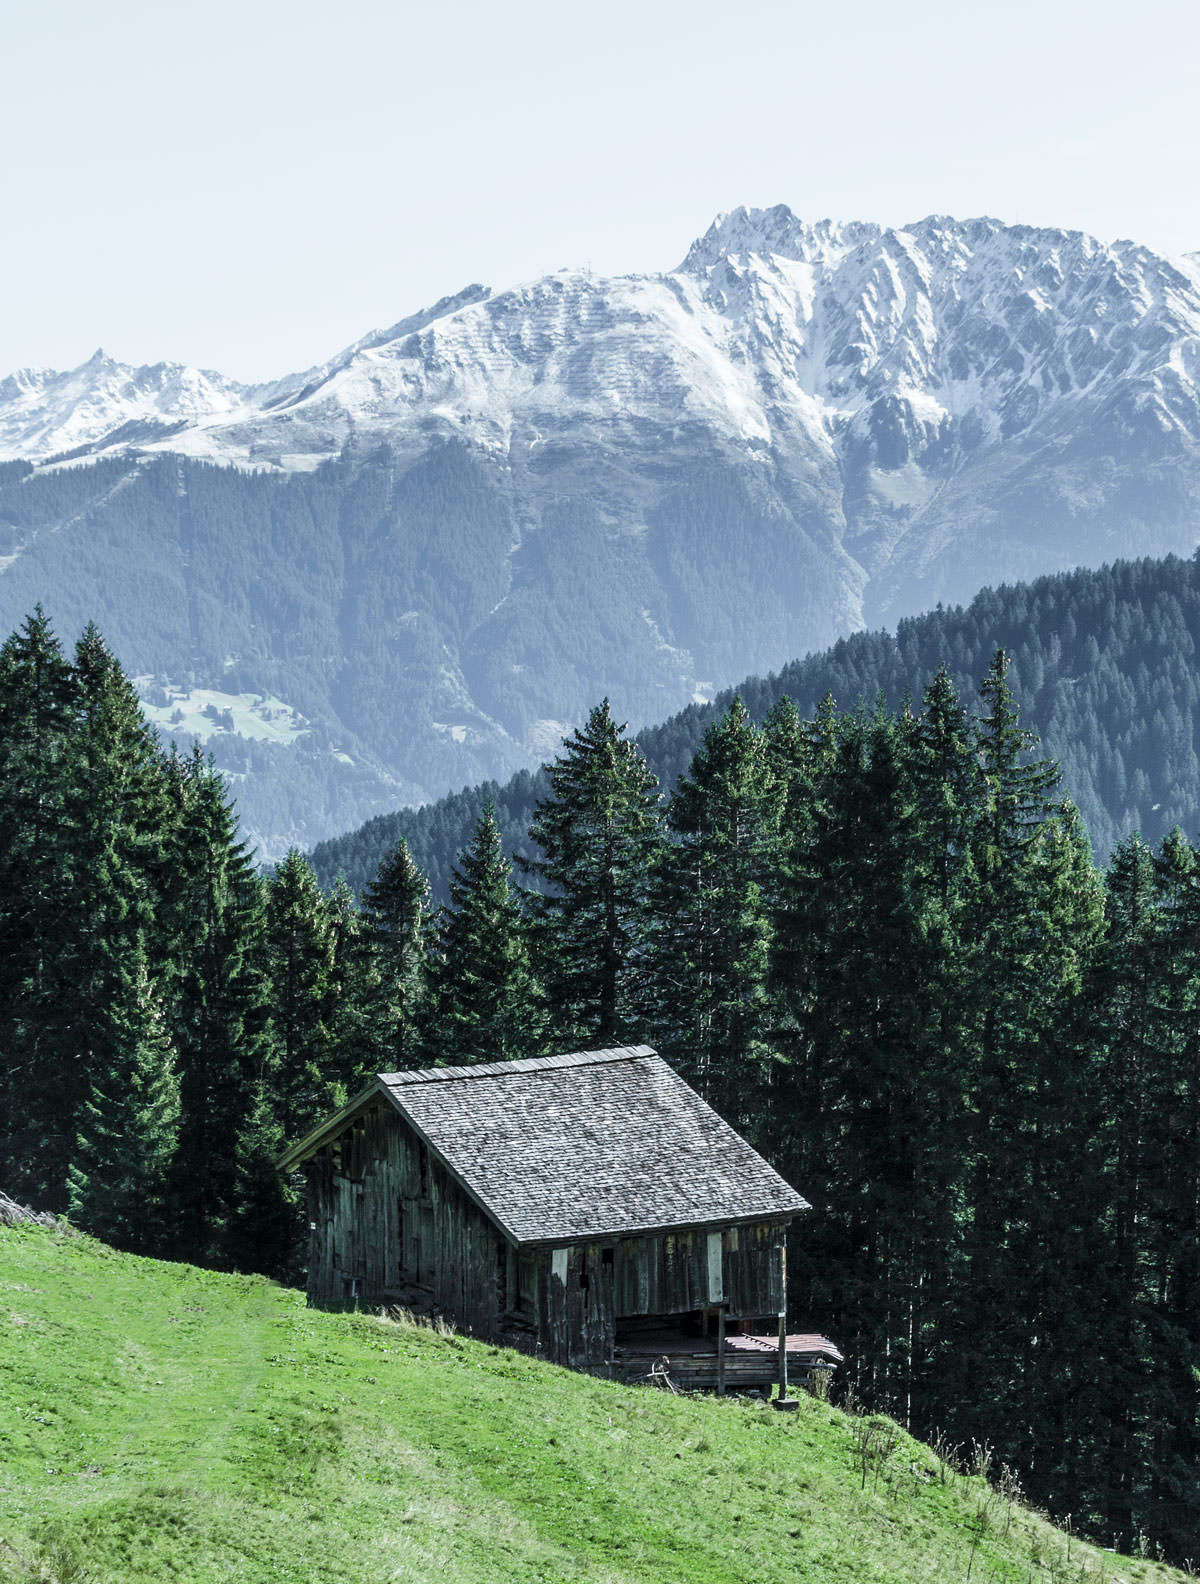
590, 1207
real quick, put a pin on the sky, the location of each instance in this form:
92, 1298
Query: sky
250, 186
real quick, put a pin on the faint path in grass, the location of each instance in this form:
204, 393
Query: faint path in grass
191, 1364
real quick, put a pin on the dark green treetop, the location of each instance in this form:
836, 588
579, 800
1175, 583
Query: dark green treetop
600, 832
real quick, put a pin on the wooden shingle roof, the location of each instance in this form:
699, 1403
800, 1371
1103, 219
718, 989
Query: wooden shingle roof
587, 1145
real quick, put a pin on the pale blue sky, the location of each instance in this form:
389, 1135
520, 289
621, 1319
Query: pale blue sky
249, 186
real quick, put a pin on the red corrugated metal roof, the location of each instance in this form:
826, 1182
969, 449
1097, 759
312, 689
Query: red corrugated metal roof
795, 1341
799, 1343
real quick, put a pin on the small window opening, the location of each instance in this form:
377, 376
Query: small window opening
606, 1256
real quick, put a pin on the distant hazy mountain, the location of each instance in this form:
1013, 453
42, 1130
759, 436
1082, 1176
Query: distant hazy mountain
1103, 666
411, 567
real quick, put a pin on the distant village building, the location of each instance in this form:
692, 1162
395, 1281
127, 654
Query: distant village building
590, 1207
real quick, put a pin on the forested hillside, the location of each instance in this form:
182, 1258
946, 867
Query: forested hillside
415, 623
875, 940
1104, 663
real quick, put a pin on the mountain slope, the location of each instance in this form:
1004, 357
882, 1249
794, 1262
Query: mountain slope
459, 532
1103, 667
161, 1422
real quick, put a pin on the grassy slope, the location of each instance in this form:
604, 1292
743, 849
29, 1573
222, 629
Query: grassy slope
162, 1422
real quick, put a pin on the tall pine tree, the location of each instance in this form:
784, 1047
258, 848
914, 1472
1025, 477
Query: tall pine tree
218, 1006
397, 920
1035, 914
299, 961
711, 937
484, 1003
42, 1080
600, 832
129, 1126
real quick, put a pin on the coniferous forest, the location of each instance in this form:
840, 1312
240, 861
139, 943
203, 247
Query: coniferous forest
1103, 661
876, 940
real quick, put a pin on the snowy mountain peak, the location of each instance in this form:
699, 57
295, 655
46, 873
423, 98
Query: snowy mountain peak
892, 345
45, 412
742, 233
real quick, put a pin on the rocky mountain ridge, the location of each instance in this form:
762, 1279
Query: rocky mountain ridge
643, 485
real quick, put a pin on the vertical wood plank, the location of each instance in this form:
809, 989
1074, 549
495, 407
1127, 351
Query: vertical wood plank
720, 1352
716, 1274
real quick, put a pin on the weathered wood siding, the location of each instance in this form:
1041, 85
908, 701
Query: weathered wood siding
389, 1224
674, 1273
575, 1316
754, 1270
591, 1286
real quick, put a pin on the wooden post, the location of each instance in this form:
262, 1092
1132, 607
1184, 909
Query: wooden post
721, 1351
783, 1381
783, 1321
783, 1400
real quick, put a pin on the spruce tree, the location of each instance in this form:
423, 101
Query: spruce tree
1003, 977
788, 752
799, 1135
265, 1228
949, 790
484, 1004
1140, 1442
42, 1081
854, 969
218, 1006
1169, 1276
1050, 1248
711, 937
115, 816
803, 756
1035, 914
600, 833
397, 923
84, 800
1017, 788
1125, 1003
358, 1046
299, 950
129, 1126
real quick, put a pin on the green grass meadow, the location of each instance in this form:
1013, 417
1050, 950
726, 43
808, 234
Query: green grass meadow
160, 1422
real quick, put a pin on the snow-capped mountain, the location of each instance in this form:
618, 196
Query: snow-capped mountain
653, 484
106, 403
